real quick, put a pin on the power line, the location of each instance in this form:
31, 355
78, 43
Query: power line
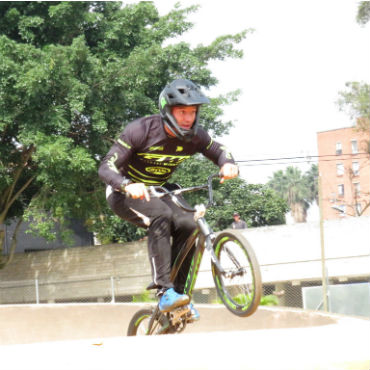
301, 159
305, 157
272, 164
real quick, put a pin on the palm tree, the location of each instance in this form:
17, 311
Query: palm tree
297, 189
312, 183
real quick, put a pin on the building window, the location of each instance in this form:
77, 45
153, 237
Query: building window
354, 146
340, 169
356, 168
338, 148
341, 190
358, 208
357, 188
342, 208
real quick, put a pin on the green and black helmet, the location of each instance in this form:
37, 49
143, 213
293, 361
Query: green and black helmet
180, 92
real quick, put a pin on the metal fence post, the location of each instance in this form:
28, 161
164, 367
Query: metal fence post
323, 266
112, 288
37, 291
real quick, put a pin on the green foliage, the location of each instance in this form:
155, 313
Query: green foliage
311, 179
257, 204
113, 230
72, 74
146, 296
269, 300
355, 100
363, 13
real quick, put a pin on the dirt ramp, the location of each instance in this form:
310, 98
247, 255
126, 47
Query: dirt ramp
92, 337
220, 319
44, 323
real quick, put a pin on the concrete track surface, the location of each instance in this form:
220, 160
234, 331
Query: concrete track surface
92, 337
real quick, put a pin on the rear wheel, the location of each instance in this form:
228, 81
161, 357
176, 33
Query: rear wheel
143, 323
240, 286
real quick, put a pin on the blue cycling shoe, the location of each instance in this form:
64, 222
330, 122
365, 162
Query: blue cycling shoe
171, 299
194, 314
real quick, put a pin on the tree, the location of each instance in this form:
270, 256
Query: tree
297, 189
72, 74
360, 200
363, 13
257, 204
356, 198
311, 180
355, 100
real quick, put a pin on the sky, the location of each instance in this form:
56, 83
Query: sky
296, 61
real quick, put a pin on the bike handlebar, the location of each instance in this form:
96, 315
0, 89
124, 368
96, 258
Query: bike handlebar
160, 191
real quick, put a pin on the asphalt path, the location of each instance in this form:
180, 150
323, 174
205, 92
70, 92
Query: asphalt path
53, 337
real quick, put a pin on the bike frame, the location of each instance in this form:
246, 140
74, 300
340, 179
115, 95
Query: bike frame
202, 238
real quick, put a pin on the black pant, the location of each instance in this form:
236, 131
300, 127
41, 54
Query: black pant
164, 220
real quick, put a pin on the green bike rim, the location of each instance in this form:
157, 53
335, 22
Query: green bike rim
140, 319
226, 298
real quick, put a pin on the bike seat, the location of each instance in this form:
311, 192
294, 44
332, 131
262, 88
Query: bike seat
152, 285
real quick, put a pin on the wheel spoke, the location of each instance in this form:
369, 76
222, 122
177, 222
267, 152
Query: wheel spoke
239, 283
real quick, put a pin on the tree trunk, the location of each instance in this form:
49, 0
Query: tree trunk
2, 238
299, 212
4, 260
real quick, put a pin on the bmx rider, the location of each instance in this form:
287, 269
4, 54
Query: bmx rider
146, 153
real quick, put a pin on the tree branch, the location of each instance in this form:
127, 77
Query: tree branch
2, 237
25, 157
7, 259
13, 199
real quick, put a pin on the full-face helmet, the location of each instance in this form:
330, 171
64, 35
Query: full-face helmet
180, 92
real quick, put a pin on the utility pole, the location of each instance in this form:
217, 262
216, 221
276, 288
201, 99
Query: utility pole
323, 267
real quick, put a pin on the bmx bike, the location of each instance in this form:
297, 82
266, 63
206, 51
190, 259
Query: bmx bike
234, 267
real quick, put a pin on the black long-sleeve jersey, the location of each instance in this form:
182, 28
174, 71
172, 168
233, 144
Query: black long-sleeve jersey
145, 153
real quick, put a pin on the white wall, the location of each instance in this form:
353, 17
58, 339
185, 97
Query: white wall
293, 252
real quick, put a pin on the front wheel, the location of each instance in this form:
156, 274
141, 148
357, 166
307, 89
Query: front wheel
240, 285
144, 323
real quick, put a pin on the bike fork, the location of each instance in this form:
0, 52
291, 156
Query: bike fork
214, 258
155, 321
209, 239
229, 274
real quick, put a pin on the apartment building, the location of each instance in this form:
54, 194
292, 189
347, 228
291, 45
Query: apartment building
344, 166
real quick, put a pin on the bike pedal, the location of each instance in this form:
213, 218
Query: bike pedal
179, 312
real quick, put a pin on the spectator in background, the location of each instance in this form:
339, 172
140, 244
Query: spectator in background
238, 223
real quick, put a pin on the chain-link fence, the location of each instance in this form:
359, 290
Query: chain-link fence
339, 294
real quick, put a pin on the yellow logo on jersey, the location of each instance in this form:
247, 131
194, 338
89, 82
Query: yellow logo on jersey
179, 149
166, 159
157, 170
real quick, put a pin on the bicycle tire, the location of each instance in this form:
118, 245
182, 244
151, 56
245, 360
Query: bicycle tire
241, 294
140, 321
